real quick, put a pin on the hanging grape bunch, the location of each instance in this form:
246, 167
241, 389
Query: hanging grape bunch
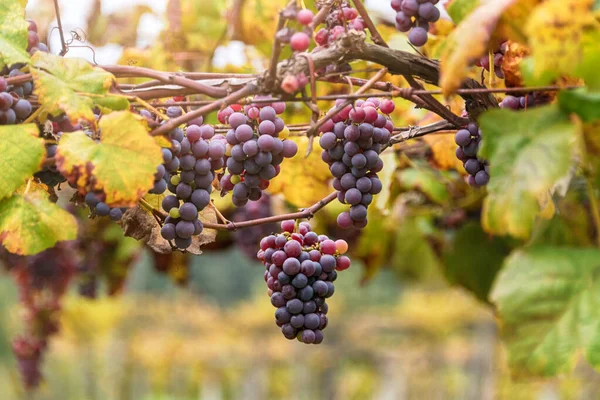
191, 162
415, 16
469, 140
256, 147
351, 143
300, 271
497, 58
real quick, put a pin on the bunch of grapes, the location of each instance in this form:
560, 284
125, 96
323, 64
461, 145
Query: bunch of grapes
524, 102
49, 175
13, 107
415, 16
33, 40
351, 143
337, 22
191, 162
468, 141
498, 58
256, 147
248, 239
300, 271
95, 201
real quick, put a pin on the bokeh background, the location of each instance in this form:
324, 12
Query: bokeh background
202, 327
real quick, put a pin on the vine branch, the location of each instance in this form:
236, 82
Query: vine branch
305, 213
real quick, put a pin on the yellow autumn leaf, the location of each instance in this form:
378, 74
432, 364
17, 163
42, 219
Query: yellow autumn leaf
122, 164
555, 31
471, 38
303, 180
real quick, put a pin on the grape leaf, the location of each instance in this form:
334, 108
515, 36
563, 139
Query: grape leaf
31, 223
582, 103
122, 164
303, 180
443, 149
141, 225
528, 153
554, 31
22, 153
548, 299
475, 266
459, 9
13, 33
62, 84
469, 41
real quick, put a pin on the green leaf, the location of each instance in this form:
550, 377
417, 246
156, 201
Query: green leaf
63, 83
13, 33
111, 103
412, 254
582, 103
30, 223
22, 153
426, 181
528, 153
588, 66
474, 259
123, 164
459, 9
548, 299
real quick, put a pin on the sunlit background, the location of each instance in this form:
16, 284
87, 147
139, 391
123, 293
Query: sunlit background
401, 334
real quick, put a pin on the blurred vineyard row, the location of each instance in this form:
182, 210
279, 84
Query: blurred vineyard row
383, 342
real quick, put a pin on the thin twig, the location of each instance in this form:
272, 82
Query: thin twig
418, 131
247, 90
219, 213
321, 15
305, 213
127, 71
60, 29
375, 36
276, 49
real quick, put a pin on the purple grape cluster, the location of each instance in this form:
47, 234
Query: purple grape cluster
49, 175
469, 141
191, 162
300, 271
340, 19
248, 239
95, 201
499, 53
13, 107
351, 143
256, 146
415, 16
522, 102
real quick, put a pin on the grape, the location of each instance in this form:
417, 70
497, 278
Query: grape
22, 108
102, 209
418, 36
188, 212
462, 137
116, 214
299, 41
91, 200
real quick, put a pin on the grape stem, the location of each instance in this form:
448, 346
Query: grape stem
321, 15
313, 130
302, 214
276, 49
247, 90
219, 213
375, 36
418, 131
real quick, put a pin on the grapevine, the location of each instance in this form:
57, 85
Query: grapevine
93, 153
